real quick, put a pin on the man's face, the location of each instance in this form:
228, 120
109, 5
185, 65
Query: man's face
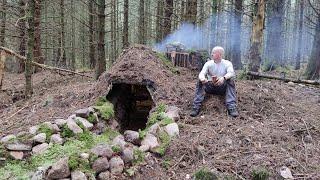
216, 56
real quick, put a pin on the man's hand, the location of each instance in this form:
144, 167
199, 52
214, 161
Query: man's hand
219, 81
204, 81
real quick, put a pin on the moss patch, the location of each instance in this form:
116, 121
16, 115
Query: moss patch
260, 174
105, 110
164, 143
138, 157
66, 132
167, 63
47, 130
204, 174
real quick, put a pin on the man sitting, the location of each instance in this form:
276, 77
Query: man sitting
215, 78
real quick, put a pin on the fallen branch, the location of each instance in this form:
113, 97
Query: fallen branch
257, 74
8, 51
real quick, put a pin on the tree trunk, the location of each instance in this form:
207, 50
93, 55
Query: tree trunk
257, 37
313, 68
73, 36
236, 36
22, 34
213, 22
91, 35
159, 22
125, 24
275, 40
168, 11
298, 58
37, 35
3, 22
191, 13
142, 39
101, 61
61, 52
30, 55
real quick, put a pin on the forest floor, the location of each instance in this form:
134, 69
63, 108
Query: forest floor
279, 125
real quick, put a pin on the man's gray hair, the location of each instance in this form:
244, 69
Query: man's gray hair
218, 48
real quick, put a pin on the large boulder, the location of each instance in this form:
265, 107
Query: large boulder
100, 165
7, 138
56, 139
74, 127
78, 175
127, 155
40, 138
150, 141
173, 112
59, 169
86, 124
84, 113
17, 155
41, 148
119, 141
172, 129
132, 137
102, 150
116, 165
19, 147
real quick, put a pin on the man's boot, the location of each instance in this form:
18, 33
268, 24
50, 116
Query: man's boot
194, 112
233, 112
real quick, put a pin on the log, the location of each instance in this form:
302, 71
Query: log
22, 58
2, 60
257, 74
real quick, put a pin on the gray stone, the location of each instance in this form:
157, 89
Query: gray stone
119, 141
102, 150
84, 156
74, 127
17, 155
7, 138
172, 129
100, 127
132, 137
308, 139
173, 112
60, 122
78, 175
41, 148
72, 117
39, 174
144, 148
84, 122
127, 155
84, 113
113, 124
150, 141
40, 138
23, 134
116, 165
56, 139
154, 129
53, 127
104, 175
33, 130
19, 147
59, 169
100, 165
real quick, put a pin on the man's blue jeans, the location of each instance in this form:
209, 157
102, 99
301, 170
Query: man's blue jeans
227, 88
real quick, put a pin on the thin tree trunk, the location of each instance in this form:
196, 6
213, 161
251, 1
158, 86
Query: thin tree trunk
101, 61
125, 24
73, 36
257, 37
168, 11
313, 68
22, 34
141, 38
298, 58
159, 21
236, 36
30, 55
61, 52
213, 22
37, 35
191, 13
91, 35
3, 15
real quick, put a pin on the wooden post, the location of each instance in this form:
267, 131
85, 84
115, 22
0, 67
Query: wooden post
2, 62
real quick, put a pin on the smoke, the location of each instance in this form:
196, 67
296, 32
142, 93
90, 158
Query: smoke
191, 36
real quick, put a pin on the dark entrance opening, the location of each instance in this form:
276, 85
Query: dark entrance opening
132, 104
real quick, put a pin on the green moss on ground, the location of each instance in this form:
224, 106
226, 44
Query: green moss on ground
82, 143
47, 130
167, 63
260, 174
164, 143
138, 157
106, 110
204, 174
